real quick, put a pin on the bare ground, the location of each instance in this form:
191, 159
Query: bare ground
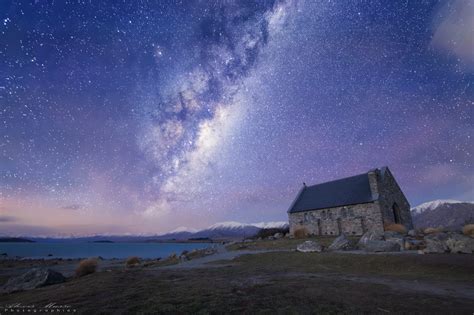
273, 282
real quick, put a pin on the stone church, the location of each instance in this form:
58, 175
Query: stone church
351, 205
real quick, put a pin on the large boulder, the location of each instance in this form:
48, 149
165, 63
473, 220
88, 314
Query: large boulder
395, 237
436, 243
309, 247
341, 243
381, 246
370, 236
461, 244
34, 278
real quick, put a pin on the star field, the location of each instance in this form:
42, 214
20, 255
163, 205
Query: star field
140, 117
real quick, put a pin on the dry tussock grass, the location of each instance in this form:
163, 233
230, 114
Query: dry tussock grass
300, 233
86, 266
396, 228
468, 230
132, 261
432, 230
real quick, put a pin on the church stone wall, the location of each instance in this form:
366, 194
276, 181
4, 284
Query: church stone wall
390, 194
350, 220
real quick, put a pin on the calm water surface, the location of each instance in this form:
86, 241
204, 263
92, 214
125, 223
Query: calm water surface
105, 250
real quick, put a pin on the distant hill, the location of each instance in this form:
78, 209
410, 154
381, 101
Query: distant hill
446, 213
15, 240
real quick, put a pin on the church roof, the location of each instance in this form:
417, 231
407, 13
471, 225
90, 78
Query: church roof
342, 192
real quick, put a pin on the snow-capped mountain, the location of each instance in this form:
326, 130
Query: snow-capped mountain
226, 229
444, 213
430, 205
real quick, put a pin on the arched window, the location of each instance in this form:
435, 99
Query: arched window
396, 213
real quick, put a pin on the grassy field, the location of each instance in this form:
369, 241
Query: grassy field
276, 282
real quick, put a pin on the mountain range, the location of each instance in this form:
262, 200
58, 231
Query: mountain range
220, 230
452, 214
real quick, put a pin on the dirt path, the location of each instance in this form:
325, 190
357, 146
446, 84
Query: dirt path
222, 254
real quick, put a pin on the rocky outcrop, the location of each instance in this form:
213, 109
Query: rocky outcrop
341, 243
309, 247
34, 278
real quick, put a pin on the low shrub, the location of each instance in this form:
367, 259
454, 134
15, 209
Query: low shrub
300, 233
432, 230
86, 266
396, 228
468, 229
132, 261
264, 233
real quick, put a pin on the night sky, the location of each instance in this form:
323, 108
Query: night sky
141, 117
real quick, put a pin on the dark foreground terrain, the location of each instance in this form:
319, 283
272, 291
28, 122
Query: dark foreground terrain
274, 282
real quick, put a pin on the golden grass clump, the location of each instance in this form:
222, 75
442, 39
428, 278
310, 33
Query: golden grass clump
468, 230
132, 261
86, 266
300, 233
396, 228
432, 230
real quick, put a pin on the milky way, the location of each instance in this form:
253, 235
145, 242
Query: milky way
143, 117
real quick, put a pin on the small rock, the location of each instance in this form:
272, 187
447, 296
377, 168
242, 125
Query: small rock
341, 243
287, 235
34, 278
270, 238
278, 236
412, 233
309, 247
248, 240
411, 244
381, 246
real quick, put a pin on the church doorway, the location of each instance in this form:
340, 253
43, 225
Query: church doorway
396, 213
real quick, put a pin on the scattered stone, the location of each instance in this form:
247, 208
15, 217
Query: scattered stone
381, 246
309, 247
436, 243
34, 278
278, 236
412, 233
271, 238
341, 243
287, 235
370, 236
248, 240
461, 244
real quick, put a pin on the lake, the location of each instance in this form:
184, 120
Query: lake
105, 250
